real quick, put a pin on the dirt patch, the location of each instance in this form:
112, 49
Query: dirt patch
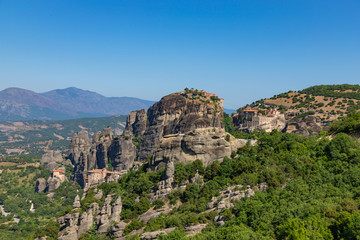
7, 164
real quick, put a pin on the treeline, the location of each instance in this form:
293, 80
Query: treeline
349, 124
334, 91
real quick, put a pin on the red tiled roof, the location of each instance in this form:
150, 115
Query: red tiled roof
58, 171
250, 110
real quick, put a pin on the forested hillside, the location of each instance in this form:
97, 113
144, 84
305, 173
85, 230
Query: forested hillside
312, 193
325, 101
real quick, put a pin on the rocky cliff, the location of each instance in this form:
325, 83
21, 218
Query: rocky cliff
53, 160
177, 113
98, 152
205, 144
106, 218
306, 126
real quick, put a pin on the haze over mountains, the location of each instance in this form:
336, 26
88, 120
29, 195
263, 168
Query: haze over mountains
21, 104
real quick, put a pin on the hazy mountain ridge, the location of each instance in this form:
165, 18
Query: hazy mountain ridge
21, 104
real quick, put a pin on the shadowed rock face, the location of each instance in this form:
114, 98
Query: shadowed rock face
136, 123
122, 153
40, 185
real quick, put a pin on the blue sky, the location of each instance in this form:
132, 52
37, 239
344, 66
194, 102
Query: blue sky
242, 50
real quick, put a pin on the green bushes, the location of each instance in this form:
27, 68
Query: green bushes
185, 172
51, 230
134, 225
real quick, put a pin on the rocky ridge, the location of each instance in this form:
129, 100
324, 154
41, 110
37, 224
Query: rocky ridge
174, 124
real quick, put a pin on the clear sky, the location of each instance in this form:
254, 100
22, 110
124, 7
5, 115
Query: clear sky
242, 50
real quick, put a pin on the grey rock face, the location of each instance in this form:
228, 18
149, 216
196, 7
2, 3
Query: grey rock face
153, 235
106, 219
109, 213
118, 229
136, 123
305, 126
52, 159
176, 113
40, 185
86, 153
97, 152
103, 219
87, 218
76, 202
154, 214
68, 224
116, 210
99, 194
233, 193
205, 144
195, 229
122, 153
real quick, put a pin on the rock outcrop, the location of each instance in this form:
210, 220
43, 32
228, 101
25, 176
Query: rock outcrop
109, 214
73, 224
233, 193
179, 113
136, 123
306, 126
76, 202
55, 180
174, 115
52, 160
98, 152
122, 153
205, 144
68, 226
40, 185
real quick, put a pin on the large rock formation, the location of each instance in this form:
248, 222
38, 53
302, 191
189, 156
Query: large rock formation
305, 126
205, 144
55, 180
179, 113
97, 152
52, 160
40, 185
136, 123
122, 153
72, 225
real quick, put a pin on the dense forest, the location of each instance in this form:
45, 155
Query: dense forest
313, 192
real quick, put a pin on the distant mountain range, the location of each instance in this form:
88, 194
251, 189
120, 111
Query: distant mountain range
18, 104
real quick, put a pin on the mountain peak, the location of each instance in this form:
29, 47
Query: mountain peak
65, 103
